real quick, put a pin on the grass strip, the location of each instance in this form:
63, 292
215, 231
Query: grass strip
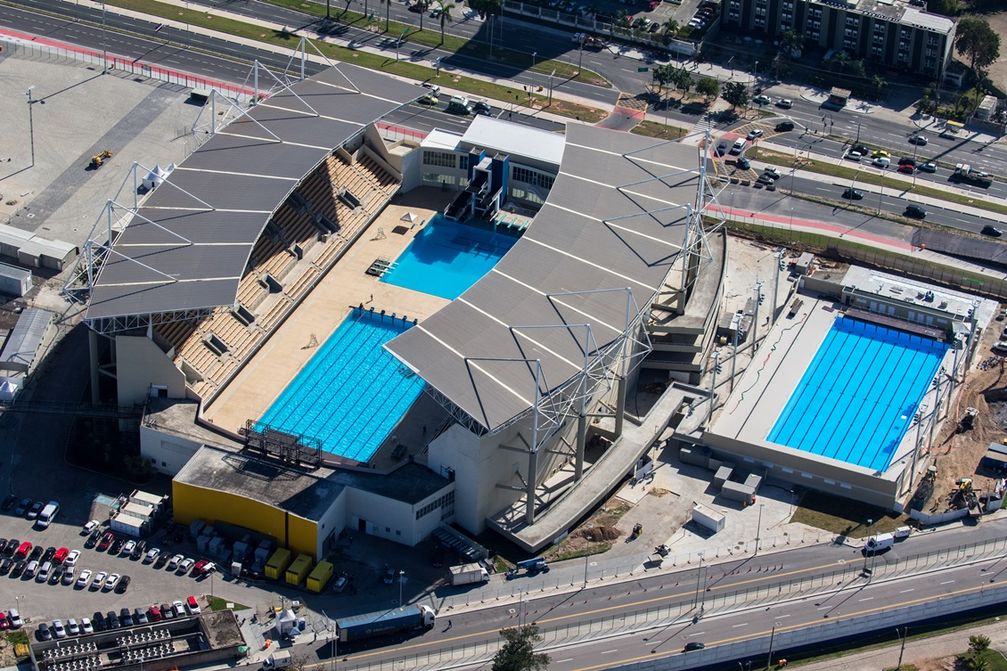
865, 177
430, 36
402, 68
216, 603
659, 130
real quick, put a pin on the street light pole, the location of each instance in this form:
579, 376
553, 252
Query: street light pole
772, 638
534, 59
758, 528
402, 574
902, 649
31, 134
104, 42
699, 573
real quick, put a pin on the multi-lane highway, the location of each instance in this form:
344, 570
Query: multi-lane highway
765, 581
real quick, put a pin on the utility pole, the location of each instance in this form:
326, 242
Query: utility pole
402, 575
734, 354
776, 282
772, 638
31, 129
758, 528
755, 317
902, 649
104, 42
699, 573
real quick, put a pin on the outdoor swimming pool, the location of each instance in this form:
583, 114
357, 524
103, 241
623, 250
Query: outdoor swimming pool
446, 258
858, 396
352, 392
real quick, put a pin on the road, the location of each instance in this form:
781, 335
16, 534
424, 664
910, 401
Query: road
760, 575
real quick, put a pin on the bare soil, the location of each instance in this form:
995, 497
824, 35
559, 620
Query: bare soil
594, 535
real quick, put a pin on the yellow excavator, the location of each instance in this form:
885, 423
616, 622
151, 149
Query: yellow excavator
99, 159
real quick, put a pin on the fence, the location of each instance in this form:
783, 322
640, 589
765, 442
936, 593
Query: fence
393, 133
700, 595
23, 45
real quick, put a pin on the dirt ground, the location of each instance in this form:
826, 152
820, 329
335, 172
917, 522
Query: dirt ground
998, 71
593, 536
957, 455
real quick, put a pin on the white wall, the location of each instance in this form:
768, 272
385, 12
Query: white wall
386, 518
332, 522
167, 452
141, 363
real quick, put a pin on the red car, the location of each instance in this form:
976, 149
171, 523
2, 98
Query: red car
155, 613
197, 569
907, 169
60, 555
105, 541
4, 622
23, 550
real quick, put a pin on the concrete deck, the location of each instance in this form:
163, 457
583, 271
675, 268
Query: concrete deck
290, 347
617, 462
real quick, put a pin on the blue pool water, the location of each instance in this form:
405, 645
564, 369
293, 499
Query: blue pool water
857, 398
352, 392
446, 258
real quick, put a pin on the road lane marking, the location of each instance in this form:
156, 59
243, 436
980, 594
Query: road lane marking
947, 582
867, 598
609, 652
735, 626
905, 591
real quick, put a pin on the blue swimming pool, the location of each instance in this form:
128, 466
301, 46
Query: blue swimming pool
446, 258
352, 392
857, 399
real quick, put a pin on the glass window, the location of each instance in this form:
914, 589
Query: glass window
443, 159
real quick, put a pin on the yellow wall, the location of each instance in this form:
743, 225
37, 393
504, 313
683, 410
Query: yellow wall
303, 535
193, 503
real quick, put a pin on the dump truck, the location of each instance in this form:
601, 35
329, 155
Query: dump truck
466, 574
277, 564
385, 622
964, 172
298, 570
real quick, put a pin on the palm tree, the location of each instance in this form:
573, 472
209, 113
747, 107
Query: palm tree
445, 7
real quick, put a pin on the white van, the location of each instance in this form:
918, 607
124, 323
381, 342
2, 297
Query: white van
879, 543
738, 145
47, 515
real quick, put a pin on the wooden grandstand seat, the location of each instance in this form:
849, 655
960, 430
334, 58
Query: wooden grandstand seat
299, 285
272, 316
329, 252
250, 292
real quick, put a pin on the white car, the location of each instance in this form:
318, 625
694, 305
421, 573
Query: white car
71, 559
854, 155
881, 162
89, 527
127, 549
58, 629
84, 579
72, 627
14, 617
43, 572
111, 582
151, 556
179, 608
85, 626
184, 566
68, 575
785, 103
762, 100
174, 561
99, 580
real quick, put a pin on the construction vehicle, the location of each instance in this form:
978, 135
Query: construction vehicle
384, 623
964, 172
662, 550
99, 159
968, 420
529, 567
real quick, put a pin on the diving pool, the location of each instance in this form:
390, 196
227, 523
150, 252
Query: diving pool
352, 392
857, 398
446, 258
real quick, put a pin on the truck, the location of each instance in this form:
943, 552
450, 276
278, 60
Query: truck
964, 172
385, 622
589, 41
879, 543
466, 574
528, 567
278, 660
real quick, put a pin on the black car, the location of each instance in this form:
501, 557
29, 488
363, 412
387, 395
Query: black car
721, 149
764, 179
12, 546
138, 550
916, 212
49, 552
18, 568
992, 231
3, 546
743, 163
112, 620
139, 616
122, 585
36, 553
125, 617
162, 559
167, 612
481, 107
57, 575
862, 148
93, 539
116, 546
6, 565
34, 510
784, 126
9, 503
98, 621
22, 507
853, 194
694, 645
905, 160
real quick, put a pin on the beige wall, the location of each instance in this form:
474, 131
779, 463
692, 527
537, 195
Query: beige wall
168, 453
140, 363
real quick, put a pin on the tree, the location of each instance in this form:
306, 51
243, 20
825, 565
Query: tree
662, 77
790, 42
682, 80
708, 87
978, 42
445, 8
979, 644
486, 7
518, 651
735, 93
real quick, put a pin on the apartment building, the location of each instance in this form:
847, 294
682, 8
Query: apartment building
888, 32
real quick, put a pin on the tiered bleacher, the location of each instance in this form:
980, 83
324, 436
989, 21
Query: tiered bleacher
305, 237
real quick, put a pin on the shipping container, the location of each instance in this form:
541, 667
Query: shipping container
298, 570
320, 577
277, 564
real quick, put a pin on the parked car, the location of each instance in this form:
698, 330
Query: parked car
71, 558
49, 553
98, 581
122, 585
179, 608
151, 556
85, 626
112, 620
4, 623
762, 100
743, 163
880, 153
738, 146
43, 633
22, 507
881, 162
23, 550
154, 613
906, 169
174, 562
60, 555
68, 572
184, 566
482, 107
771, 172
9, 503
192, 605
167, 612
127, 548
33, 512
106, 541
854, 155
754, 134
30, 570
116, 547
83, 579
93, 539
125, 617
110, 582
6, 565
721, 148
58, 629
89, 527
72, 627
14, 617
43, 572
197, 568
139, 616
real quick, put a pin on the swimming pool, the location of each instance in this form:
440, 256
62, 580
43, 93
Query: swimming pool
352, 392
446, 258
857, 399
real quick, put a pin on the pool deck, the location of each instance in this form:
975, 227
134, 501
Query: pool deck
761, 394
287, 350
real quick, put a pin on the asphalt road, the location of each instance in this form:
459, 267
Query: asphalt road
750, 574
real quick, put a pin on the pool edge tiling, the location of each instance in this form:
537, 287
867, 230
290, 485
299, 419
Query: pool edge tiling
869, 380
352, 392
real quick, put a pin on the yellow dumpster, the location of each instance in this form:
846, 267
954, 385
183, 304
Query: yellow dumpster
320, 577
298, 570
278, 563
